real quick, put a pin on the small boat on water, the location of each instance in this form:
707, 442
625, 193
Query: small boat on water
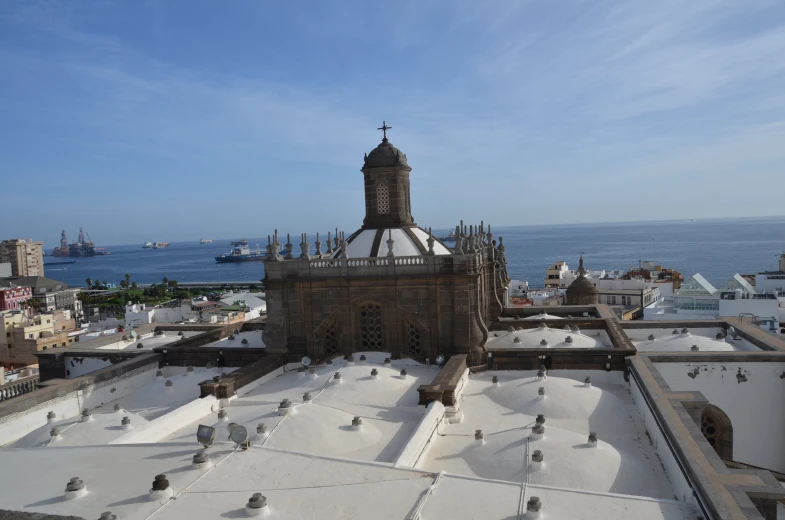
450, 237
67, 262
148, 245
241, 253
206, 241
160, 245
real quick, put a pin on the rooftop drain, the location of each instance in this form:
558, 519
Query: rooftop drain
541, 391
125, 423
307, 397
479, 437
374, 373
161, 489
256, 505
328, 362
543, 342
86, 415
587, 381
403, 373
117, 407
533, 507
362, 357
159, 374
189, 370
107, 515
593, 439
675, 331
357, 423
337, 376
50, 417
495, 380
651, 337
568, 339
169, 383
540, 418
538, 431
75, 489
54, 433
261, 429
516, 339
694, 348
222, 415
285, 407
387, 361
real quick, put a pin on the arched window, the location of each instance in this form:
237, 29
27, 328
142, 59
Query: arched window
718, 430
371, 327
330, 339
382, 199
413, 340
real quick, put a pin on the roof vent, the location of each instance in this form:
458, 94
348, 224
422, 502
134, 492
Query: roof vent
349, 358
566, 327
208, 365
675, 331
256, 505
516, 339
216, 379
541, 391
495, 334
180, 333
568, 339
201, 458
495, 380
161, 489
684, 331
519, 327
403, 373
543, 342
569, 316
75, 489
107, 515
651, 337
479, 437
593, 439
542, 326
159, 374
285, 407
125, 423
533, 507
222, 415
575, 328
541, 374
337, 376
587, 381
719, 336
357, 423
117, 407
387, 361
189, 370
54, 432
307, 397
540, 418
139, 345
261, 429
231, 337
362, 357
510, 329
538, 431
694, 348
86, 415
312, 371
328, 361
169, 383
50, 417
537, 456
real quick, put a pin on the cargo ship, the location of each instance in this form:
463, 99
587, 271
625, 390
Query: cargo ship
450, 237
241, 253
155, 245
206, 241
79, 248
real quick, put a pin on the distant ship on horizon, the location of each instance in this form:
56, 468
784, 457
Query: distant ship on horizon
241, 253
155, 245
206, 241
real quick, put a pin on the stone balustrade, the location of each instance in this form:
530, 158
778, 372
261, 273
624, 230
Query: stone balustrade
19, 387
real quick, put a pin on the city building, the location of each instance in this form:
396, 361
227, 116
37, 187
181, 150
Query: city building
390, 286
23, 336
629, 293
236, 308
555, 276
25, 256
51, 295
5, 270
13, 298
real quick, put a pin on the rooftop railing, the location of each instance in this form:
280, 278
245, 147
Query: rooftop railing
19, 387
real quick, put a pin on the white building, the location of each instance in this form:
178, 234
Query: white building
634, 293
555, 275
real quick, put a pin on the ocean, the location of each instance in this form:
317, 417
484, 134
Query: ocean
717, 248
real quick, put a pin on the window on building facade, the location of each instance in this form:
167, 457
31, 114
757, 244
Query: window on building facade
414, 340
330, 339
371, 327
382, 199
717, 428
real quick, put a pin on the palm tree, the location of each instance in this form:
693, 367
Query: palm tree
134, 286
89, 282
127, 280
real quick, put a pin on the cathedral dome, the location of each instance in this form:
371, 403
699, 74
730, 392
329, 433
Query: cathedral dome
407, 241
385, 156
582, 291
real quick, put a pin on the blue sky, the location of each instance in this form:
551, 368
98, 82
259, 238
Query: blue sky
154, 120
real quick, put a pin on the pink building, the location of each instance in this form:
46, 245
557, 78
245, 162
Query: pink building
12, 298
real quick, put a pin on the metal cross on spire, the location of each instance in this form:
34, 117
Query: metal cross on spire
384, 129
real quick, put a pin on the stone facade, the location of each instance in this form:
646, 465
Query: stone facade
411, 306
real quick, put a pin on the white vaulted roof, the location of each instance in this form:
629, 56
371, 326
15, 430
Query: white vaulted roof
532, 338
361, 244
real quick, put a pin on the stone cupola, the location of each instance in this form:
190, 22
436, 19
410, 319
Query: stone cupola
582, 291
386, 174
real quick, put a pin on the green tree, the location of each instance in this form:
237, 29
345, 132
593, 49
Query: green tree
165, 281
105, 285
172, 284
134, 286
89, 282
124, 284
127, 280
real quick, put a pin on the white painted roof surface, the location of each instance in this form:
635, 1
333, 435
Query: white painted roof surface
543, 316
296, 486
532, 338
254, 338
252, 300
387, 405
669, 342
624, 462
360, 246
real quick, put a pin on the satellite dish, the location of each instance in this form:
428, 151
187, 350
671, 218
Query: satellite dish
238, 433
440, 359
305, 361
